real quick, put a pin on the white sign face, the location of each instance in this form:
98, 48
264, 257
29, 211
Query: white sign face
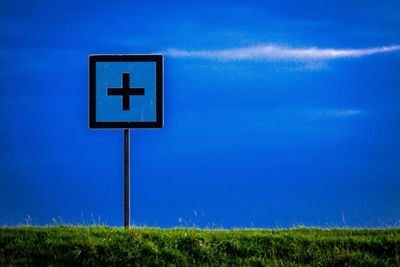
126, 91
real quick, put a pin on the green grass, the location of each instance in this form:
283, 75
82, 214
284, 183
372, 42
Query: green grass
104, 246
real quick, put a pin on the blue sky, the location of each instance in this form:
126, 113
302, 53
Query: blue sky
276, 114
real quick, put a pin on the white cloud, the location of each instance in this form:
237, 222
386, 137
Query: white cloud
333, 113
345, 113
278, 52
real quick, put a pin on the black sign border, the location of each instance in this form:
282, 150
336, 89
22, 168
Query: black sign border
158, 59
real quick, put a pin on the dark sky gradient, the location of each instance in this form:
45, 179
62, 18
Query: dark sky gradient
246, 143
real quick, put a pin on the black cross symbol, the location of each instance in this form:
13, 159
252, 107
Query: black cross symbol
125, 91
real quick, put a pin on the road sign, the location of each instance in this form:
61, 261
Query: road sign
126, 91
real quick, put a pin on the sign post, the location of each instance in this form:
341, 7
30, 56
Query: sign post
126, 91
127, 174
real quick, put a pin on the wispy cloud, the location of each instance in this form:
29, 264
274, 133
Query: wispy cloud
333, 113
279, 52
345, 113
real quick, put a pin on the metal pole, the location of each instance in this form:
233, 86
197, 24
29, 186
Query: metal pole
126, 179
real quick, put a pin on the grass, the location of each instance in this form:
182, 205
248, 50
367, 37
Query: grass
105, 246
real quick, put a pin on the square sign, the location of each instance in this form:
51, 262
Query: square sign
126, 91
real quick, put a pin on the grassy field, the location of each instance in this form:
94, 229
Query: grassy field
104, 246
